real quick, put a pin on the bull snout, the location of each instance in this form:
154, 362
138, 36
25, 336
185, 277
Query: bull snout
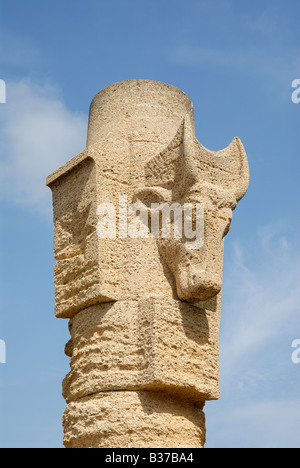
198, 273
195, 284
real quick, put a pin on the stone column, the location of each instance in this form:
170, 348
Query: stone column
144, 309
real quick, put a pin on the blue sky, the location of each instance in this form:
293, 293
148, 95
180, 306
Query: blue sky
236, 61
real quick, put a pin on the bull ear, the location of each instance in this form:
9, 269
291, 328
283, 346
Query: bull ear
191, 173
149, 195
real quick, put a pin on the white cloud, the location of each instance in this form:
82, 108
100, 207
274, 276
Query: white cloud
261, 303
37, 134
260, 403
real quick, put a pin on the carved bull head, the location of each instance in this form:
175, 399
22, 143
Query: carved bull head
187, 172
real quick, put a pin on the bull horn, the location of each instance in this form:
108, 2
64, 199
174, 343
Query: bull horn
230, 166
238, 152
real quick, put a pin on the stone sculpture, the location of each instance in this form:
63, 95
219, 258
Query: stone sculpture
144, 310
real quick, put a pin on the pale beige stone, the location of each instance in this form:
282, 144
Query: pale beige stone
128, 419
145, 312
144, 113
186, 172
155, 343
130, 122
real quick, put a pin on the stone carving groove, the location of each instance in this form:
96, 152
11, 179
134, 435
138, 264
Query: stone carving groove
144, 311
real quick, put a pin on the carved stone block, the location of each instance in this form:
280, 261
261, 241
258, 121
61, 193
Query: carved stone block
156, 344
140, 218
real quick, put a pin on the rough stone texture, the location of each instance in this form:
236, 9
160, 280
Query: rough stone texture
133, 420
156, 344
144, 312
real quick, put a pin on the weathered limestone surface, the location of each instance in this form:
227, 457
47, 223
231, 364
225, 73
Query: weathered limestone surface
145, 311
133, 420
155, 343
